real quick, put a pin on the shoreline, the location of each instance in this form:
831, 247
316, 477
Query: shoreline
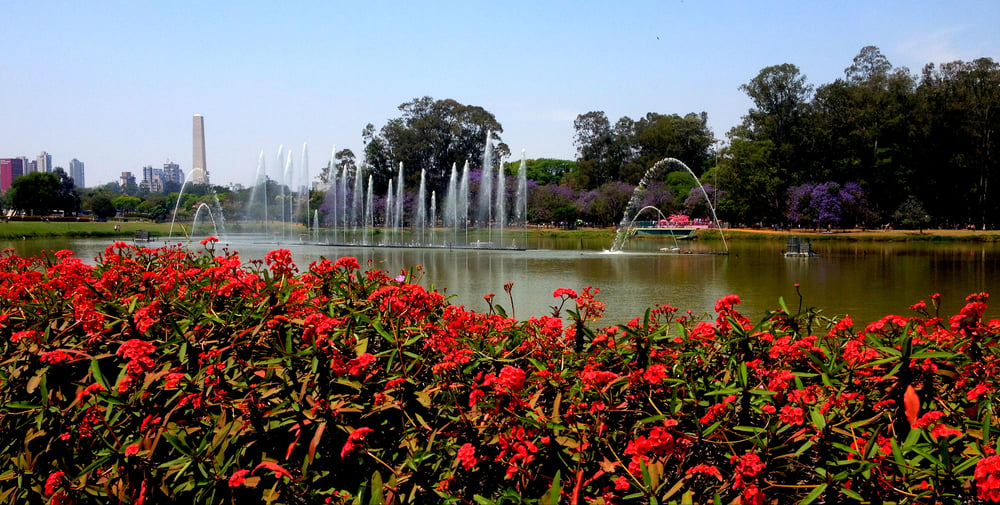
126, 230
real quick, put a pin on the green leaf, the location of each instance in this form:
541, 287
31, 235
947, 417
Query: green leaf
986, 425
817, 418
378, 494
781, 303
818, 490
556, 490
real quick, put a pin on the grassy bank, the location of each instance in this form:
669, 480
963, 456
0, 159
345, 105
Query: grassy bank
856, 235
36, 229
126, 230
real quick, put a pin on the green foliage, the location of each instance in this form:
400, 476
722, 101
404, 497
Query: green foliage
896, 135
102, 207
626, 151
542, 170
162, 376
911, 214
431, 135
37, 193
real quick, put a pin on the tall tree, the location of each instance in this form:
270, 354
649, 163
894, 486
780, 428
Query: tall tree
343, 160
432, 135
780, 95
36, 193
69, 198
960, 147
594, 141
626, 151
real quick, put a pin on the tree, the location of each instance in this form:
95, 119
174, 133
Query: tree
102, 207
780, 95
911, 214
827, 204
659, 136
552, 203
431, 135
37, 193
754, 185
605, 205
542, 170
126, 204
69, 199
960, 102
594, 140
343, 162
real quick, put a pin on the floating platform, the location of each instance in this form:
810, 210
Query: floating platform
796, 248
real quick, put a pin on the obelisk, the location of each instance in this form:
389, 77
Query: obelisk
199, 173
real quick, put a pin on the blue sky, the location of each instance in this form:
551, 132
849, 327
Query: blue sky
115, 84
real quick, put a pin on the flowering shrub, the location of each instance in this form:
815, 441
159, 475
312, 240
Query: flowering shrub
164, 376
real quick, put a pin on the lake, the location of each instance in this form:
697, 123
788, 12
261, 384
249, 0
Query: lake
862, 279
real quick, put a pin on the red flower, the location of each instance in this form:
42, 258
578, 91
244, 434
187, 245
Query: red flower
705, 469
280, 263
987, 476
53, 483
135, 349
56, 356
347, 263
353, 440
977, 391
564, 293
131, 450
655, 374
238, 478
512, 378
359, 364
467, 456
792, 415
209, 240
621, 484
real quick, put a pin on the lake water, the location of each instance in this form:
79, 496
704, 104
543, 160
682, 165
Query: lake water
863, 280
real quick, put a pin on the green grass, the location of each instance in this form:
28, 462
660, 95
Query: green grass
36, 229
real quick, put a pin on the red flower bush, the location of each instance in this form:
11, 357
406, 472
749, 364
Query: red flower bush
165, 376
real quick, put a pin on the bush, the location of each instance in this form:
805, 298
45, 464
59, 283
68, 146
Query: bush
164, 376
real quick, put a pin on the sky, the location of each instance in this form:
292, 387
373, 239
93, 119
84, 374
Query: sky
115, 84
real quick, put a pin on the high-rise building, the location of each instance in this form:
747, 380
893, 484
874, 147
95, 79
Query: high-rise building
152, 179
172, 173
199, 172
126, 180
10, 169
44, 161
76, 173
30, 167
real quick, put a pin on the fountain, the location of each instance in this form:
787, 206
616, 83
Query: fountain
521, 207
411, 219
622, 233
260, 183
199, 214
214, 210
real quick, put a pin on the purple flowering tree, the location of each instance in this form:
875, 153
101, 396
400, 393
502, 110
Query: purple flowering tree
605, 205
697, 203
552, 203
827, 204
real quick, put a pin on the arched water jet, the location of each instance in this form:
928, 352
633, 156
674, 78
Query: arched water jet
631, 226
621, 234
259, 185
202, 209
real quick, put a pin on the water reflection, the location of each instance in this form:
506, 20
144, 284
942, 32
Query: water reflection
863, 280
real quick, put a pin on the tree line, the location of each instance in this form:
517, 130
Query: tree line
878, 146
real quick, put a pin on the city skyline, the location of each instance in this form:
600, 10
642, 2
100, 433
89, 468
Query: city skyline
318, 73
